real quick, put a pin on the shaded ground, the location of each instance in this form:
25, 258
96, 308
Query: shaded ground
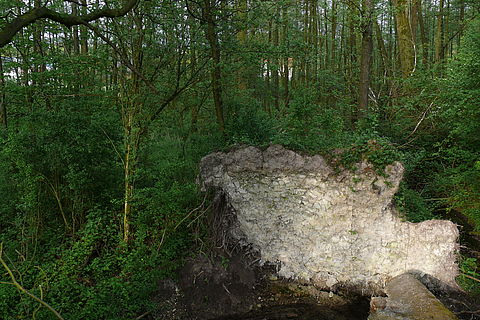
353, 311
237, 288
464, 305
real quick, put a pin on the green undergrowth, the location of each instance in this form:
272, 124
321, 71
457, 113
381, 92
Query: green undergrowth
469, 275
376, 150
88, 272
311, 128
412, 205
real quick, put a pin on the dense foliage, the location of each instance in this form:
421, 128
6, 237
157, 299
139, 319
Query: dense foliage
102, 129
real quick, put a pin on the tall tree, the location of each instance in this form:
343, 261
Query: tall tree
276, 65
3, 102
286, 57
133, 129
365, 56
439, 33
334, 33
83, 29
242, 40
406, 41
209, 16
423, 35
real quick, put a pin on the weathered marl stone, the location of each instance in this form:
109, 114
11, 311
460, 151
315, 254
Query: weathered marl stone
326, 227
408, 299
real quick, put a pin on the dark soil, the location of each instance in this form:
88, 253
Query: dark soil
219, 285
357, 310
234, 288
464, 305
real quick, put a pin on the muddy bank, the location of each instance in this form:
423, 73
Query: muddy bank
358, 310
233, 287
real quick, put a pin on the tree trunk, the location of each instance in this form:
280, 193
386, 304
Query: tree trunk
334, 31
216, 72
3, 107
315, 39
242, 40
83, 31
286, 72
193, 66
439, 53
306, 40
76, 40
461, 20
268, 70
423, 35
382, 49
130, 163
446, 31
275, 70
132, 130
342, 52
41, 67
352, 39
365, 58
326, 37
414, 15
405, 38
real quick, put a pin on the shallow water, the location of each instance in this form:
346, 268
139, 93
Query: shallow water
358, 310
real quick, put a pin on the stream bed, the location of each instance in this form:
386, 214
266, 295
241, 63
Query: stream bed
355, 311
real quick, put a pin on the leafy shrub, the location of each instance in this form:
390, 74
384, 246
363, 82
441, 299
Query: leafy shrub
469, 270
459, 180
251, 126
376, 150
461, 110
309, 126
412, 205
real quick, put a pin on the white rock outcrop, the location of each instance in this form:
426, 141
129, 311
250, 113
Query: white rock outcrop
330, 228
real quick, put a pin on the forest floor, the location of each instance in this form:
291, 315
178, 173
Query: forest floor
235, 288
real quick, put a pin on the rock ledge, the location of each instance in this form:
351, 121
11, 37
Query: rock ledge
331, 228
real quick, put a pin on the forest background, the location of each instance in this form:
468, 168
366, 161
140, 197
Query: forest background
103, 123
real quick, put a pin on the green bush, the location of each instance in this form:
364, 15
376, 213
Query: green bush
372, 148
251, 126
412, 205
309, 126
459, 180
469, 270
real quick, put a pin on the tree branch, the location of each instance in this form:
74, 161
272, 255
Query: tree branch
22, 289
123, 58
12, 28
77, 3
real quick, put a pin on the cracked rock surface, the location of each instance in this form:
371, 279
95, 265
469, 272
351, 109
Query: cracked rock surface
330, 228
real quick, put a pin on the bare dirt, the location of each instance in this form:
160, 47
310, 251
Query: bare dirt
236, 287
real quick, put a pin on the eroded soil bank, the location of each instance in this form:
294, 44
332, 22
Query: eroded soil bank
224, 287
